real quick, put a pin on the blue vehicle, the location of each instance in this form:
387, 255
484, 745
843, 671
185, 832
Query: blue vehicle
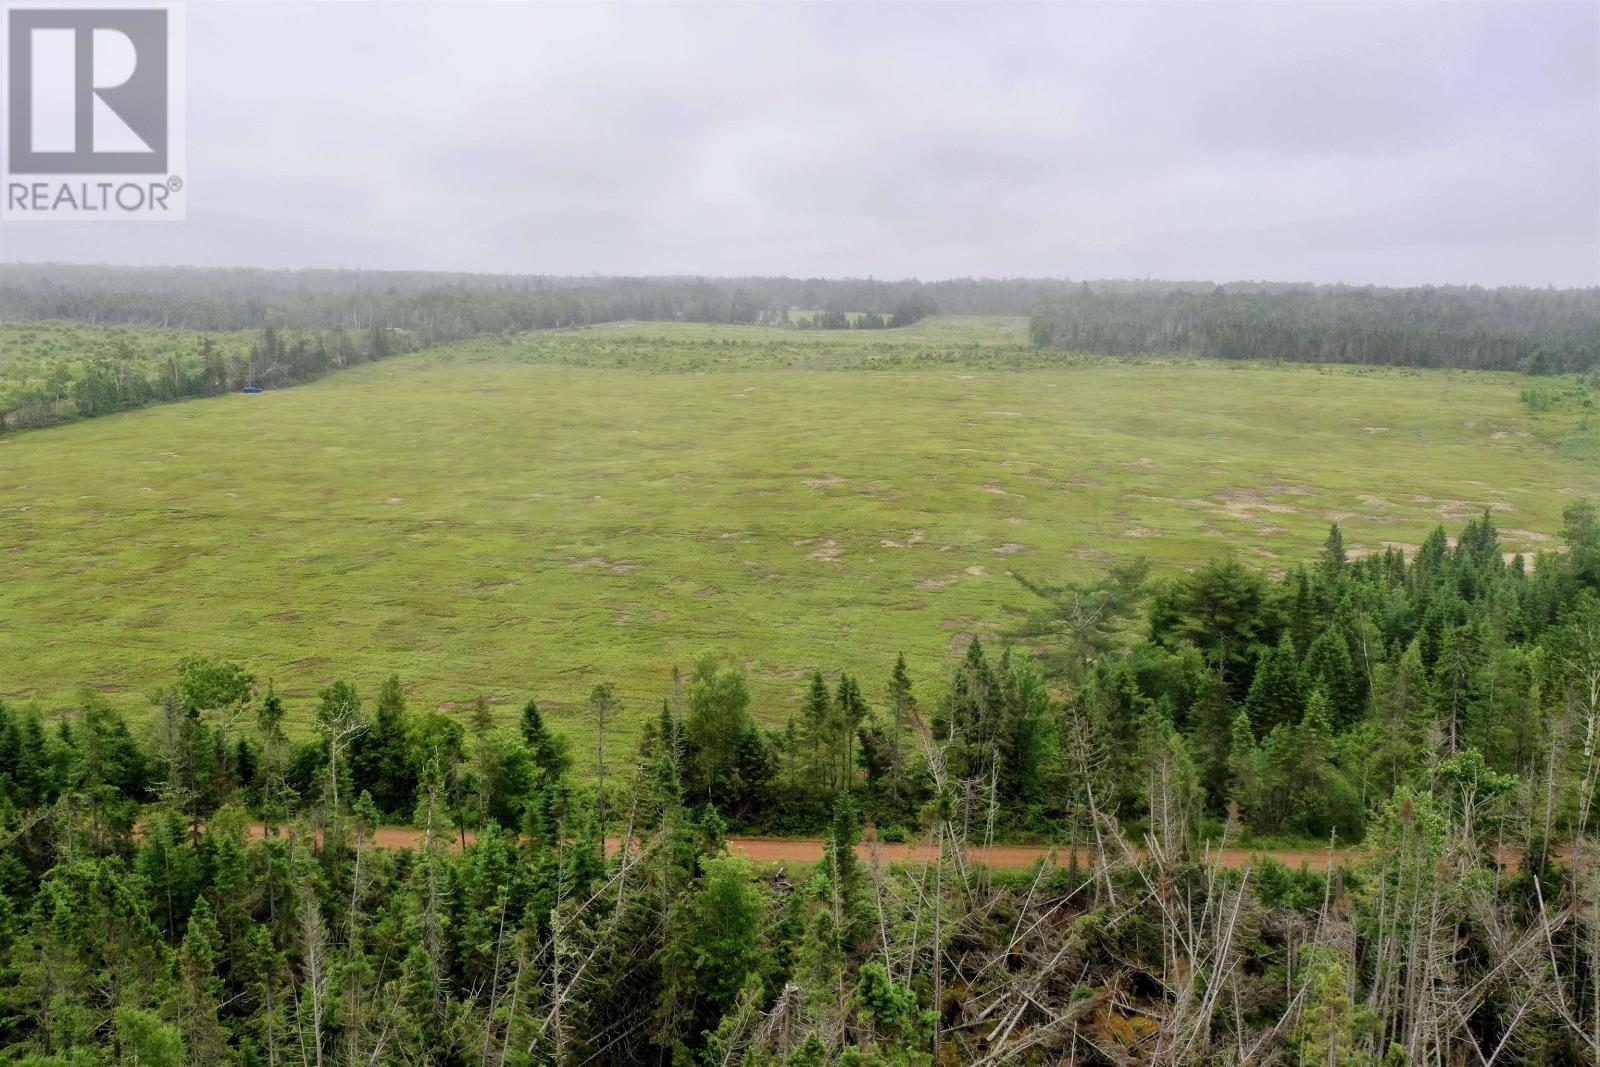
251, 389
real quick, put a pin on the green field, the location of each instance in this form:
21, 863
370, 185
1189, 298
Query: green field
528, 516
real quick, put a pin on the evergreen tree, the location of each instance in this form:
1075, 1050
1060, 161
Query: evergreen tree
382, 759
1328, 666
903, 708
547, 750
1278, 692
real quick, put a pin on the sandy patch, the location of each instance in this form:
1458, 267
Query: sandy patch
1461, 510
977, 570
1239, 501
829, 552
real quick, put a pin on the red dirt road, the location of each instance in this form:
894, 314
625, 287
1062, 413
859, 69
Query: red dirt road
1007, 857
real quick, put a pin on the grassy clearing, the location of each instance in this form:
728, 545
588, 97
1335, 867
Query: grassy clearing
527, 516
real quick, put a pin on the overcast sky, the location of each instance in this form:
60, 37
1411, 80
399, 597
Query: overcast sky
1387, 143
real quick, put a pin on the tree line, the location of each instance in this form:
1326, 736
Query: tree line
1442, 708
1542, 331
439, 307
129, 373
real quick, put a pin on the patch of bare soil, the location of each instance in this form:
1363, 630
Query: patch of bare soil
1461, 510
776, 850
1239, 500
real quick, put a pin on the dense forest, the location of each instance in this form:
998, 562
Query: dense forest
1539, 330
205, 889
1542, 331
439, 307
118, 370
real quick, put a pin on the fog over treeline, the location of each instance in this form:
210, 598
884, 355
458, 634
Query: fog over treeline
1545, 330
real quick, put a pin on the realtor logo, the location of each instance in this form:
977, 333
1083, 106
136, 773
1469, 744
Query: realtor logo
93, 93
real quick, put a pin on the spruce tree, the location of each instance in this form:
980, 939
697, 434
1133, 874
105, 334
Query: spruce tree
1331, 569
548, 751
1328, 666
902, 705
851, 710
1277, 693
1242, 773
816, 736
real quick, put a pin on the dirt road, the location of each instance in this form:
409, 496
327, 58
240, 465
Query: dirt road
1009, 857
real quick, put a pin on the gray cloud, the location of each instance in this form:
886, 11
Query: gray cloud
1398, 144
